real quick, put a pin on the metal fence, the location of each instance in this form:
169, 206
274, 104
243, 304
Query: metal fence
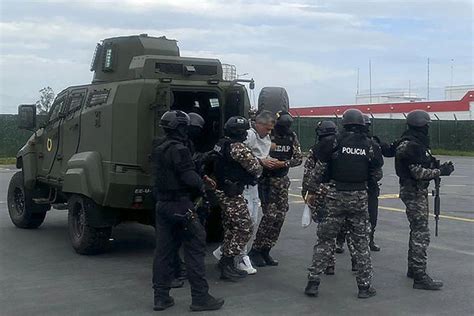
449, 135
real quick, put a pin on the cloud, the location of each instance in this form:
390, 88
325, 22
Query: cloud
311, 47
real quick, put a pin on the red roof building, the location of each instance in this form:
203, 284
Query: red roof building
443, 110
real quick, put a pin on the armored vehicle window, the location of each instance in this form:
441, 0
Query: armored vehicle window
206, 70
169, 68
75, 103
55, 109
98, 97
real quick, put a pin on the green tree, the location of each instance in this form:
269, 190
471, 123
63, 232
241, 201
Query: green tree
46, 100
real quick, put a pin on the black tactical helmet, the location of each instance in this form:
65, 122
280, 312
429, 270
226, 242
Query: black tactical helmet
196, 120
236, 126
367, 120
283, 118
418, 118
326, 128
173, 119
353, 117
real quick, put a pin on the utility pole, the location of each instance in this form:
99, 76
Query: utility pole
357, 92
452, 78
370, 81
428, 81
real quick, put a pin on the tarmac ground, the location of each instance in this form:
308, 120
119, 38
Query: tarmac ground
40, 273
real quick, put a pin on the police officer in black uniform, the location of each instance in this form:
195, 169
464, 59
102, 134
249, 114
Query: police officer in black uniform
176, 183
373, 191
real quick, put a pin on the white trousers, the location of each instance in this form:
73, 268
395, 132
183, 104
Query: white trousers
253, 203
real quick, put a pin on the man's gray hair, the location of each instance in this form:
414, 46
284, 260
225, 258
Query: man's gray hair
265, 117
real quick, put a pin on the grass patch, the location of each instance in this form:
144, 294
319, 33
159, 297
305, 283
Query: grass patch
446, 152
7, 161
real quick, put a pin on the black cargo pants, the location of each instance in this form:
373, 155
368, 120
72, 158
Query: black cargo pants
172, 230
373, 203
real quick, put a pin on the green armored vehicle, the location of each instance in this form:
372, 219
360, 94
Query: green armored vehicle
93, 153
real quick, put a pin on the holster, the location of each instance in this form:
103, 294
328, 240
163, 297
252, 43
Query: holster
232, 189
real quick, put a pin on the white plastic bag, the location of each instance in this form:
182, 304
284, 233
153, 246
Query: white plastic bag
306, 218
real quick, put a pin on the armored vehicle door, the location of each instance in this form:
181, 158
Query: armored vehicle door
51, 136
236, 102
161, 105
206, 102
70, 128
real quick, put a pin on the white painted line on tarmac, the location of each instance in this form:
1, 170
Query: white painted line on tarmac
388, 196
295, 180
399, 210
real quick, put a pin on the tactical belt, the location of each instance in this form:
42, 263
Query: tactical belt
350, 186
421, 185
232, 189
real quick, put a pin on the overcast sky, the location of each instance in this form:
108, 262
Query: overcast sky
312, 48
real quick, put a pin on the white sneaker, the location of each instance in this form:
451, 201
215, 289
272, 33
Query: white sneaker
217, 253
246, 265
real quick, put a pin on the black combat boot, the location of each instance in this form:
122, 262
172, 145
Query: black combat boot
269, 261
256, 257
424, 282
162, 302
228, 270
372, 245
330, 270
410, 273
312, 288
339, 247
176, 283
353, 265
366, 291
209, 303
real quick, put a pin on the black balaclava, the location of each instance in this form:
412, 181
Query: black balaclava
180, 133
420, 133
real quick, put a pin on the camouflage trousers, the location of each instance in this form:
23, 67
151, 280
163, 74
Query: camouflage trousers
416, 202
344, 207
236, 222
274, 198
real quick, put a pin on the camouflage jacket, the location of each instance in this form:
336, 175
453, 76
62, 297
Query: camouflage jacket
243, 155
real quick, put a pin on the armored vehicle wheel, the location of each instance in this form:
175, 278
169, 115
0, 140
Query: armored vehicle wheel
85, 239
24, 213
273, 99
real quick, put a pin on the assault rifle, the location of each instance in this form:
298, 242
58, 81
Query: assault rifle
435, 193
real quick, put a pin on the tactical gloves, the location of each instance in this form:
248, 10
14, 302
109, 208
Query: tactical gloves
446, 168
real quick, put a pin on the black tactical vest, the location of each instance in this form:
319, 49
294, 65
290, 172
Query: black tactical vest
226, 169
416, 153
167, 183
282, 149
349, 166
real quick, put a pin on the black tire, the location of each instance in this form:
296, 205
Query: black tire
273, 99
24, 213
86, 240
